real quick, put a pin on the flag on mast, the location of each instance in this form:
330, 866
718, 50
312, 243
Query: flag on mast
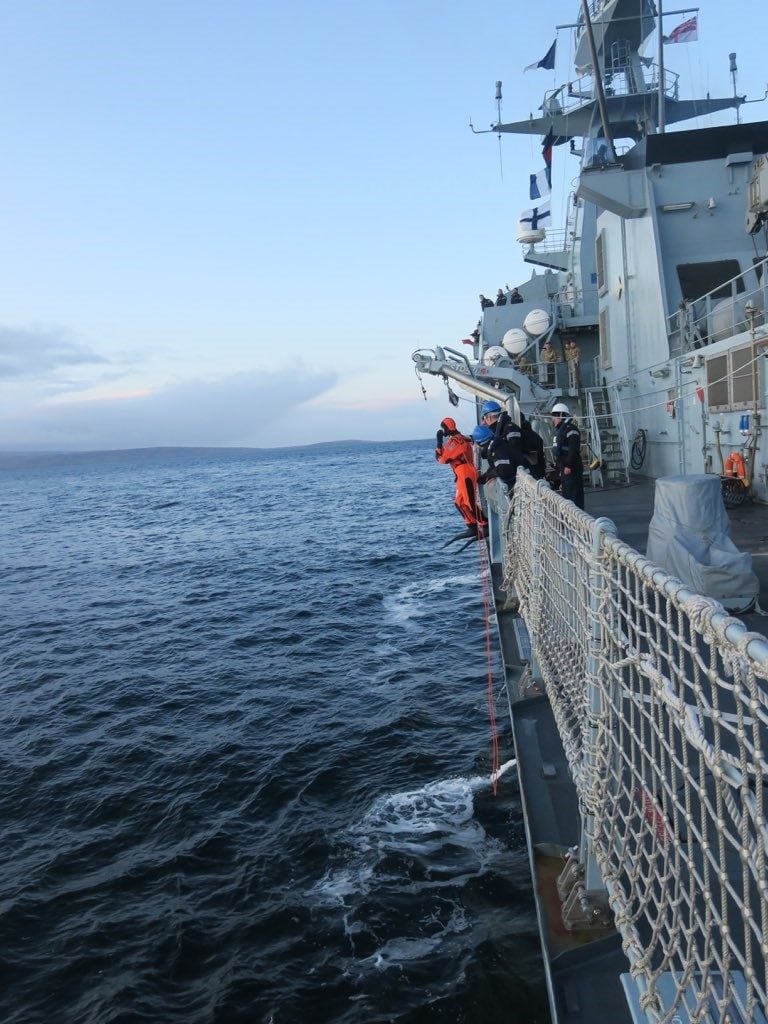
540, 184
547, 61
546, 151
536, 217
687, 32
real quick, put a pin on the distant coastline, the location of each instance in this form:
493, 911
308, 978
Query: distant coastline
14, 459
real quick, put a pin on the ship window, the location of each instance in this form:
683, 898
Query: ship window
605, 340
742, 392
600, 263
730, 380
698, 279
717, 382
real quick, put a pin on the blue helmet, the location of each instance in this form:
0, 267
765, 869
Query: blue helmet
482, 435
489, 407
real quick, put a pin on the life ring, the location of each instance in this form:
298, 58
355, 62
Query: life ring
735, 466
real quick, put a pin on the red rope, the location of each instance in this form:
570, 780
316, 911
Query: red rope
485, 575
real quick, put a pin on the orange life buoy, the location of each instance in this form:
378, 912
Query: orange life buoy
735, 466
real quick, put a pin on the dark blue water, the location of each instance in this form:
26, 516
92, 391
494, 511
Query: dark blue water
244, 747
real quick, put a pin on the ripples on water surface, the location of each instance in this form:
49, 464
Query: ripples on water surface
244, 747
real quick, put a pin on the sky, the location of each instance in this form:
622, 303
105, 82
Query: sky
231, 222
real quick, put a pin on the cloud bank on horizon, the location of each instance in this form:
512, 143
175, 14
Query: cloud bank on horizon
251, 409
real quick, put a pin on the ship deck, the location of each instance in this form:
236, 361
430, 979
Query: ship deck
580, 964
631, 509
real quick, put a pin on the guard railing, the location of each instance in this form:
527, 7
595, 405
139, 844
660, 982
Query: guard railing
661, 701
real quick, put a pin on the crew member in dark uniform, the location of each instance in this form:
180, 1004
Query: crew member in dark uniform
567, 451
533, 449
503, 449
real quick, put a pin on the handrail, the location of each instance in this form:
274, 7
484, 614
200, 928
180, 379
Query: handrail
621, 427
595, 441
617, 83
689, 328
661, 701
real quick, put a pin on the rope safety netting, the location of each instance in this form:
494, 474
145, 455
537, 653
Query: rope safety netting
661, 701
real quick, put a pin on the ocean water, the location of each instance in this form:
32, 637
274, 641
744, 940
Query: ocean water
245, 746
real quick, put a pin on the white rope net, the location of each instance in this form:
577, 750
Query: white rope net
661, 701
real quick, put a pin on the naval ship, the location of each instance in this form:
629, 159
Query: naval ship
631, 634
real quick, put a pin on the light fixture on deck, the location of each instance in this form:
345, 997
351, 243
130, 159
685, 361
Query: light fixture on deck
673, 207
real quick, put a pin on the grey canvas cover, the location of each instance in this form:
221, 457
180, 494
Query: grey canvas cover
689, 536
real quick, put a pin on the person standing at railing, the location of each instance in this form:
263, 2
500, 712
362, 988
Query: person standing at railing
500, 442
502, 458
567, 452
549, 357
573, 359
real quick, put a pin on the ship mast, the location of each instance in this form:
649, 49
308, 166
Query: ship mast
662, 119
598, 76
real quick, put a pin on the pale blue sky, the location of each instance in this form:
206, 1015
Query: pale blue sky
231, 222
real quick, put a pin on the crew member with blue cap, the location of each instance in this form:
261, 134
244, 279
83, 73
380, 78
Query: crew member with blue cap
502, 457
504, 450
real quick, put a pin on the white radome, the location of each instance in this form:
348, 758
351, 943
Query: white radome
526, 236
515, 341
493, 355
537, 322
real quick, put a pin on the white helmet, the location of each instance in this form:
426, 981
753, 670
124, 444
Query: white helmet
561, 409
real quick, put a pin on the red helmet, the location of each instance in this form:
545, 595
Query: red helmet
449, 425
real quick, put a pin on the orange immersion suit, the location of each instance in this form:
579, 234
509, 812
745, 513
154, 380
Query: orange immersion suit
456, 452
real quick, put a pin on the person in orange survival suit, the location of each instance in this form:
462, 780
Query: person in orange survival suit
454, 449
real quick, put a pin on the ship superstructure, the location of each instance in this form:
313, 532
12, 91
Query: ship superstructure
659, 274
639, 707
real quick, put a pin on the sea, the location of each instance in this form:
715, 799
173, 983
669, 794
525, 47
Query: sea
246, 749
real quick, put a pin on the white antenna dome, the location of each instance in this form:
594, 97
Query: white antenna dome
494, 355
537, 322
529, 236
515, 341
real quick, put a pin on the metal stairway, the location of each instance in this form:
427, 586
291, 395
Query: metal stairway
607, 436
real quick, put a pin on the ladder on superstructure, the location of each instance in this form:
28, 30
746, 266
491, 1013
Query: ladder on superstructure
608, 438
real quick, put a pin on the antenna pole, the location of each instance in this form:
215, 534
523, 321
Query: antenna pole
734, 69
498, 121
662, 111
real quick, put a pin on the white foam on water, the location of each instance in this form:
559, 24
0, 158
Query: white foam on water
434, 823
404, 949
409, 601
336, 886
400, 950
